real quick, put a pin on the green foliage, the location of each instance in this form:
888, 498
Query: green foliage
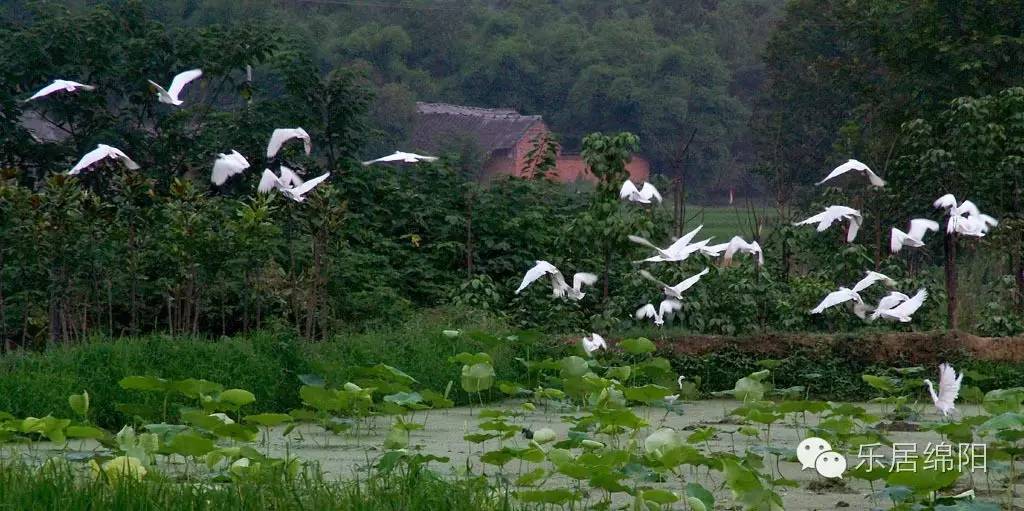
59, 487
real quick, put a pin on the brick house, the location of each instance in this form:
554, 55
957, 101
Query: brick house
503, 136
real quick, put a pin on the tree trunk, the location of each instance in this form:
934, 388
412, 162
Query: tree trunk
878, 243
677, 207
1018, 274
4, 341
952, 319
134, 321
469, 234
55, 333
607, 269
56, 317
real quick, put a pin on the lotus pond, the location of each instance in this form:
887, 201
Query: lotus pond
619, 430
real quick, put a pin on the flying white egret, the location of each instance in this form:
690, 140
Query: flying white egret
891, 300
559, 287
904, 310
401, 157
870, 277
269, 181
228, 165
643, 195
949, 389
826, 218
170, 95
675, 291
101, 152
282, 135
667, 308
298, 193
835, 298
855, 166
965, 218
679, 250
736, 245
60, 86
681, 255
976, 225
594, 343
914, 237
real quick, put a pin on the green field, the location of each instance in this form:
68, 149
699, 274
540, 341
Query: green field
724, 222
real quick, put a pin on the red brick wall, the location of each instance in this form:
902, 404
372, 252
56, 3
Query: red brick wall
568, 168
525, 145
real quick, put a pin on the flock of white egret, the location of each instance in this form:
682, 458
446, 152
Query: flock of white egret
225, 166
964, 219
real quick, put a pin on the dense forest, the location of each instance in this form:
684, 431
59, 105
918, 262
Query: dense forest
924, 92
656, 68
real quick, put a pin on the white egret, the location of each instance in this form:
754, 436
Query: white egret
102, 152
964, 218
904, 310
974, 225
870, 278
643, 195
282, 135
170, 95
675, 291
60, 86
269, 181
891, 300
228, 165
401, 157
559, 287
949, 389
679, 250
834, 298
667, 308
855, 166
594, 343
914, 237
298, 193
826, 218
681, 255
736, 245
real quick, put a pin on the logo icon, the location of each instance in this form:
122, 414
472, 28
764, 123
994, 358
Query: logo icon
830, 464
817, 453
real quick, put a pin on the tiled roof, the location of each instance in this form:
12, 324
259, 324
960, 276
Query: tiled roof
491, 128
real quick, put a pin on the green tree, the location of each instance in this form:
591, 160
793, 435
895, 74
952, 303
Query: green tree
975, 150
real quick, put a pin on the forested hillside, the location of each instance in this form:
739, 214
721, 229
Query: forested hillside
657, 68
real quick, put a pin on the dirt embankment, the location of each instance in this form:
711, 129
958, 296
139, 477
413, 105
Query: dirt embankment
913, 347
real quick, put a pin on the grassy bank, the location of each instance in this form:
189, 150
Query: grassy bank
60, 488
267, 363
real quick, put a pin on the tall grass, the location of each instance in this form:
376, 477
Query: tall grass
61, 488
266, 363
